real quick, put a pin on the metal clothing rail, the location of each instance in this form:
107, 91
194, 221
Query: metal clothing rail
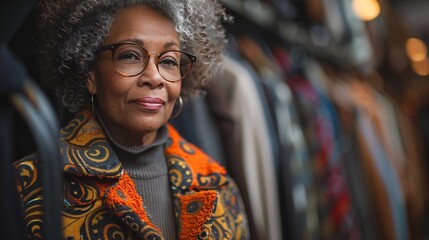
30, 102
18, 93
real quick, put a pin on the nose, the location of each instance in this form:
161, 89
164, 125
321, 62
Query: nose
150, 76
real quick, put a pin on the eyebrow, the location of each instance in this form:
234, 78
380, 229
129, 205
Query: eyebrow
141, 42
171, 43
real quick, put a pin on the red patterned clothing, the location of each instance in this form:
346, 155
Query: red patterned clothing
100, 200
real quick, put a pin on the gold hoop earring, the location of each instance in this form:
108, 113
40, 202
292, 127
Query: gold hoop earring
92, 103
180, 108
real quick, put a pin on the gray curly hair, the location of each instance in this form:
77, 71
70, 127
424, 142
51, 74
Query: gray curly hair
69, 32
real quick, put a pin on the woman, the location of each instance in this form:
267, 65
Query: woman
120, 66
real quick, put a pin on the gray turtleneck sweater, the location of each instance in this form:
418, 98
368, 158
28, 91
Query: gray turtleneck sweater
147, 166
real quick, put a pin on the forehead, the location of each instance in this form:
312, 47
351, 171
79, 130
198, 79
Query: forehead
142, 23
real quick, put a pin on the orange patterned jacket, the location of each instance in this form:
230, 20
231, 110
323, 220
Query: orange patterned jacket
100, 200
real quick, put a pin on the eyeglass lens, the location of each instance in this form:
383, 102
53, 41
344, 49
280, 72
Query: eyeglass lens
131, 60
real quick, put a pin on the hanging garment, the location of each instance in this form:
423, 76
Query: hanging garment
342, 109
294, 172
249, 143
336, 214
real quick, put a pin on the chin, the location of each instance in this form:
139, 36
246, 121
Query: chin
147, 125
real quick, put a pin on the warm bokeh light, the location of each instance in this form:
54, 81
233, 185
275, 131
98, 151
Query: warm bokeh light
421, 68
366, 10
416, 49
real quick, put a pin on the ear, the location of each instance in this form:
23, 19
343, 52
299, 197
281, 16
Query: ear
90, 83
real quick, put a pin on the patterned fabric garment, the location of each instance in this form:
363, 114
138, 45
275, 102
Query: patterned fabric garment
100, 200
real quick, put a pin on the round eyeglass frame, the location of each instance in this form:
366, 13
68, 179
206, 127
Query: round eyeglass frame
115, 46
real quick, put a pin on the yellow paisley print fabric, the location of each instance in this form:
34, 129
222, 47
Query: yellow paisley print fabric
100, 200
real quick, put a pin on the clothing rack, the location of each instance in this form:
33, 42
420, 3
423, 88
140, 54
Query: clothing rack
340, 187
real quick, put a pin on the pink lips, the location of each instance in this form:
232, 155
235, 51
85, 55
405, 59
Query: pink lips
150, 103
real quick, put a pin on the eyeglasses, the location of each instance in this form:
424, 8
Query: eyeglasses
131, 59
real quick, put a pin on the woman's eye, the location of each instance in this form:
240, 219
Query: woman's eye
169, 62
129, 56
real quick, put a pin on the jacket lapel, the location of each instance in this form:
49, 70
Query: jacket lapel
86, 153
127, 205
193, 178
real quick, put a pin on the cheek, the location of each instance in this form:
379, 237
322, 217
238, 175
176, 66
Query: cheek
173, 95
108, 83
111, 89
173, 91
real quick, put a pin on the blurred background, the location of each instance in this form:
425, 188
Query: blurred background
321, 114
322, 117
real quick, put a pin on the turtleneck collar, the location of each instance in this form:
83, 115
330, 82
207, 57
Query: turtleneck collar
162, 137
141, 162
